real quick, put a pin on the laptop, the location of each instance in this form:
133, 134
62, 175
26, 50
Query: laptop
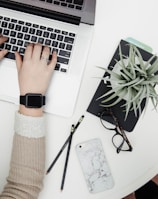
65, 26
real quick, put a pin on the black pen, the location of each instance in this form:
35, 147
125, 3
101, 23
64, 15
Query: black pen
64, 145
67, 158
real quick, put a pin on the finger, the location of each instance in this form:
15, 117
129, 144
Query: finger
3, 53
28, 52
36, 55
3, 39
45, 54
18, 61
53, 61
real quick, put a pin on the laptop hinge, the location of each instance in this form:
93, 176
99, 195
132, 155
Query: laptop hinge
40, 12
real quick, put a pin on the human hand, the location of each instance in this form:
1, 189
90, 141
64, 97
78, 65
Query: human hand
34, 72
3, 52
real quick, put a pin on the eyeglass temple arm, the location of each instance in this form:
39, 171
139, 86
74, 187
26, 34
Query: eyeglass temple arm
125, 138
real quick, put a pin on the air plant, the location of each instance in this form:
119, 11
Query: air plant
133, 80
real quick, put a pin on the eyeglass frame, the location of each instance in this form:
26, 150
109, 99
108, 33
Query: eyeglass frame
118, 129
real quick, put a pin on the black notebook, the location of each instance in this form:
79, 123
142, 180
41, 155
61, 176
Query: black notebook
95, 105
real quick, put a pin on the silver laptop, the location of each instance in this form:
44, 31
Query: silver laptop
65, 26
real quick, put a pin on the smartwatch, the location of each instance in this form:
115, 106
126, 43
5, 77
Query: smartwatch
32, 100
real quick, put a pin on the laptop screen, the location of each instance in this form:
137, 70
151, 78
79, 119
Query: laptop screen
73, 11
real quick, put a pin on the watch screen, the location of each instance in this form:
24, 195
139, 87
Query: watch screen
34, 101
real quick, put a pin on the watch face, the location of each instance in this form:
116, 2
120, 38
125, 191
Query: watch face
34, 101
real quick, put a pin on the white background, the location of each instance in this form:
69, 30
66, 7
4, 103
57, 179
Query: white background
115, 20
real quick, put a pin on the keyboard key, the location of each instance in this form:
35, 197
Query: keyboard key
20, 43
69, 47
6, 18
6, 32
32, 31
62, 60
62, 45
4, 24
50, 29
38, 32
50, 1
78, 2
22, 50
69, 40
28, 24
18, 27
8, 46
12, 41
72, 34
60, 38
47, 42
57, 67
71, 6
21, 22
13, 20
64, 4
20, 35
63, 70
25, 29
64, 53
11, 26
34, 39
43, 27
57, 31
64, 32
46, 34
69, 1
40, 40
56, 2
78, 8
55, 44
26, 44
13, 34
35, 25
10, 55
14, 48
53, 36
27, 37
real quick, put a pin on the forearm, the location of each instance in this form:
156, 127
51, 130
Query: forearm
28, 159
28, 155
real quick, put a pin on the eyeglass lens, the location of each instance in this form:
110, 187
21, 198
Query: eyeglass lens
120, 141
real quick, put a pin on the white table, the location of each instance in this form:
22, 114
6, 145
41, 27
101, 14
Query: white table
115, 20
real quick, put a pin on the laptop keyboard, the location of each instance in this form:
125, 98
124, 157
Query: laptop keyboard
73, 4
21, 33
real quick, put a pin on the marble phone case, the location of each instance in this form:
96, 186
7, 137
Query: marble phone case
94, 165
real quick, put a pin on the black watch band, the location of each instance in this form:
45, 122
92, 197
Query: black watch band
32, 100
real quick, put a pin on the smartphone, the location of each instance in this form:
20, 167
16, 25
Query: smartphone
94, 165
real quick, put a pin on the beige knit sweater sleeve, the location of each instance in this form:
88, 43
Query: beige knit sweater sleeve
27, 164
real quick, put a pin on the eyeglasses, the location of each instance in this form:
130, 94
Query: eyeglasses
119, 139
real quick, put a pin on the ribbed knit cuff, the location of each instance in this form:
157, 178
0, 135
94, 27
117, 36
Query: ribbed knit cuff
31, 127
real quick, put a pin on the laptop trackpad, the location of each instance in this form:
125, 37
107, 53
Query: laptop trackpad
8, 81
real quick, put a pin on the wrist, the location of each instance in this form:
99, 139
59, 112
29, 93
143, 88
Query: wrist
34, 112
31, 104
32, 100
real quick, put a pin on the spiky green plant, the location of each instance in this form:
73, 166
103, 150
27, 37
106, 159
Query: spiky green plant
134, 82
